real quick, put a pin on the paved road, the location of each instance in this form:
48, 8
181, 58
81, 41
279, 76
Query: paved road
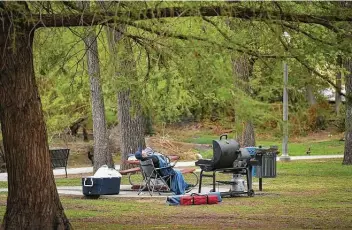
84, 170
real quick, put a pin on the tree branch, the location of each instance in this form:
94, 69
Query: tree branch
297, 29
192, 37
302, 62
72, 5
228, 10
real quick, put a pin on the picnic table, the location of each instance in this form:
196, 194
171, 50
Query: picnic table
136, 162
135, 170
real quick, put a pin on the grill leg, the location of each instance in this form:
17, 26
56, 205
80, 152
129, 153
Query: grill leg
200, 181
249, 178
260, 184
66, 171
214, 181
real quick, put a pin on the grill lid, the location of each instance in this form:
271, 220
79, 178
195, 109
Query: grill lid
225, 152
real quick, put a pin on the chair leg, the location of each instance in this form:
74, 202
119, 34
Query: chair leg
148, 185
141, 187
171, 181
152, 182
144, 184
165, 180
156, 184
160, 182
156, 180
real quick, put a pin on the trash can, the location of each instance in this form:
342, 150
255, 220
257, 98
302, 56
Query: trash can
267, 168
252, 151
106, 181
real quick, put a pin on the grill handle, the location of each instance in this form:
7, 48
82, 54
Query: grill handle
224, 135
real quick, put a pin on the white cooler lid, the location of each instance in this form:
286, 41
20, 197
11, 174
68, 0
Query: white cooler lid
105, 171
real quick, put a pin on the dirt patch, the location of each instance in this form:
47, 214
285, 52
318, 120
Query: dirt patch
168, 146
186, 219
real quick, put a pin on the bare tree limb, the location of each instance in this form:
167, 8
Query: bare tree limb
228, 10
306, 65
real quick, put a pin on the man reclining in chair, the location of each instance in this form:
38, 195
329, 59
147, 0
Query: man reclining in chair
178, 185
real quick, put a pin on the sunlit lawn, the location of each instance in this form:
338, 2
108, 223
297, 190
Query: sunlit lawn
324, 147
305, 194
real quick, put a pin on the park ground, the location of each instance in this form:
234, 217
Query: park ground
304, 195
314, 194
189, 140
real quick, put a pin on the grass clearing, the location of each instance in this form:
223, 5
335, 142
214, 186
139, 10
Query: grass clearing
305, 194
319, 144
326, 147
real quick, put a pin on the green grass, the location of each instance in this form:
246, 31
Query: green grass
329, 147
207, 154
304, 195
326, 147
202, 139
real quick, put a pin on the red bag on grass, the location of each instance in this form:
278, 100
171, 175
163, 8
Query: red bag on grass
212, 199
200, 199
186, 200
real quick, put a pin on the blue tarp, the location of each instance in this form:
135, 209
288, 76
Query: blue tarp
178, 184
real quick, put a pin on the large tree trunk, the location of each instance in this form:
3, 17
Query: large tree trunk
131, 126
310, 95
130, 114
348, 133
33, 201
338, 84
102, 154
248, 135
243, 70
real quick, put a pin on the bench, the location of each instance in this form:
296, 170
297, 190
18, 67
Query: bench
132, 171
137, 169
59, 158
129, 171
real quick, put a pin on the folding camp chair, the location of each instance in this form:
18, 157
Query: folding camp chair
152, 178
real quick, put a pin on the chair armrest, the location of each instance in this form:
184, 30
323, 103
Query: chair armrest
167, 167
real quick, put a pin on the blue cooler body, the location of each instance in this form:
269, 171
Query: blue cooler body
93, 186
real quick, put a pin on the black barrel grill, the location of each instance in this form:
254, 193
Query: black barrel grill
228, 157
225, 152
